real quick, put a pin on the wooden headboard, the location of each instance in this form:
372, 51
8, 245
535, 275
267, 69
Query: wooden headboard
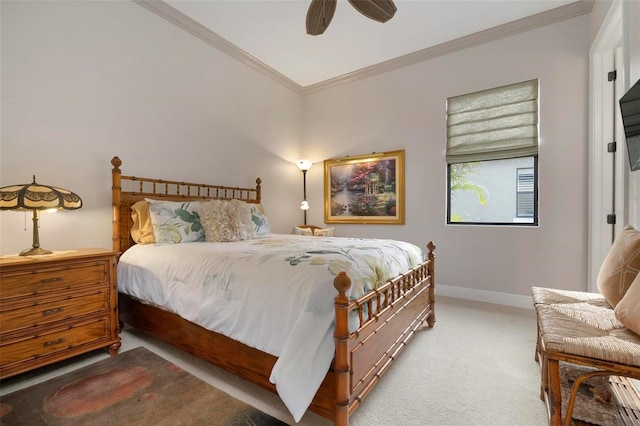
127, 190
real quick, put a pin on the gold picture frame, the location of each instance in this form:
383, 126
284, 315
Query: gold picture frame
365, 189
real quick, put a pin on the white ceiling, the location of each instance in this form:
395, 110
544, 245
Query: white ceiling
273, 31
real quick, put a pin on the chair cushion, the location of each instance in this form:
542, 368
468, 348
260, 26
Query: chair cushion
628, 309
620, 266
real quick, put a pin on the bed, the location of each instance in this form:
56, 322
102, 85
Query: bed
369, 328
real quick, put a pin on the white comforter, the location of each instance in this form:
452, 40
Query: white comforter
242, 289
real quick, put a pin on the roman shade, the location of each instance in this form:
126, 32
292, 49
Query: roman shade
493, 124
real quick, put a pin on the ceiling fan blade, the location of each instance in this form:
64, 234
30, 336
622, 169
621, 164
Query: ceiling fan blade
319, 16
378, 10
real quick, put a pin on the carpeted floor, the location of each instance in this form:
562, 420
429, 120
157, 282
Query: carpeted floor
135, 387
475, 367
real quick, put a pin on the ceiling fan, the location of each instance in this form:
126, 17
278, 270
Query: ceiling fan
321, 12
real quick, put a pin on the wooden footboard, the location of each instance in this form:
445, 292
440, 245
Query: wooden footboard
389, 316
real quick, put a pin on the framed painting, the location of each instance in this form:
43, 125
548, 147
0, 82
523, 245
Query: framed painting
365, 189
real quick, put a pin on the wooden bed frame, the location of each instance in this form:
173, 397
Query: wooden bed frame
361, 357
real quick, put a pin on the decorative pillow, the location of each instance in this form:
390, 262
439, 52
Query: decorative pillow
142, 229
628, 309
298, 230
227, 220
324, 232
621, 266
259, 219
175, 221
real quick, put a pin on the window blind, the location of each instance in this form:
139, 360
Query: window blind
493, 124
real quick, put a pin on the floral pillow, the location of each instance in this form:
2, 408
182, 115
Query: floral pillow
227, 220
259, 219
175, 221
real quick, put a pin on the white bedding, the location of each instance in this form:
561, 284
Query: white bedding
240, 289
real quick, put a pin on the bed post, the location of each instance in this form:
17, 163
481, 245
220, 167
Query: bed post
258, 190
115, 197
341, 365
432, 294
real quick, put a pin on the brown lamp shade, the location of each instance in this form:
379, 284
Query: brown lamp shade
36, 197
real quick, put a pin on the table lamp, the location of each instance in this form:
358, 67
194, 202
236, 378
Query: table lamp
36, 197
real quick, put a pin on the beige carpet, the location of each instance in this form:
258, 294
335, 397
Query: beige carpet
475, 367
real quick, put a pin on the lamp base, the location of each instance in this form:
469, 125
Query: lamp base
35, 251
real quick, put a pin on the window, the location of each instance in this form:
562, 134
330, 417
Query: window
525, 192
492, 156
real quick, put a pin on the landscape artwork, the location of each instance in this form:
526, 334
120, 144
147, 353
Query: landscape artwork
365, 189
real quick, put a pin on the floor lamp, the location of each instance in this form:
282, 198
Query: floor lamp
304, 166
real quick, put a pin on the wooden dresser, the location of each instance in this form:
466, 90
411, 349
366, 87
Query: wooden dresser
56, 306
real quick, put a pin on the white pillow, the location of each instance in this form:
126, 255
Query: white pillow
226, 220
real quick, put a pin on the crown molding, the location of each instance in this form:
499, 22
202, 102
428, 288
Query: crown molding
184, 22
568, 11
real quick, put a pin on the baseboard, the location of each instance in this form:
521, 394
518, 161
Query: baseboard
495, 297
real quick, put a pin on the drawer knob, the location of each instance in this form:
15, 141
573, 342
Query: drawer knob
51, 280
52, 311
53, 342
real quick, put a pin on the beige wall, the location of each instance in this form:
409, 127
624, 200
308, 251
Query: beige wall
405, 109
84, 81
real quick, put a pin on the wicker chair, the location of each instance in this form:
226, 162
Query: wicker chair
579, 328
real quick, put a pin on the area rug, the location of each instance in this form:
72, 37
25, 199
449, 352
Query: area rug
136, 387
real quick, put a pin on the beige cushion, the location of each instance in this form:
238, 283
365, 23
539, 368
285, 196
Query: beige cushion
324, 232
300, 230
224, 220
142, 229
628, 309
621, 266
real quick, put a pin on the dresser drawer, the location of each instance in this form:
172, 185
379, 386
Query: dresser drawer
55, 340
46, 311
55, 307
53, 279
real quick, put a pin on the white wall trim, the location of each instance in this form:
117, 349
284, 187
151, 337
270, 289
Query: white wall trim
602, 60
571, 10
182, 21
486, 296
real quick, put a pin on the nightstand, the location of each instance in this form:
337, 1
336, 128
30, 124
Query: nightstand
56, 306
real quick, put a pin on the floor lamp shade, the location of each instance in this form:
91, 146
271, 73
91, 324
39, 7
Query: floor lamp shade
304, 166
36, 197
